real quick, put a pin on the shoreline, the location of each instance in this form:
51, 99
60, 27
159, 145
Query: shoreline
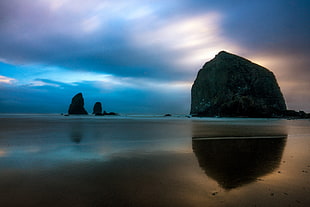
139, 116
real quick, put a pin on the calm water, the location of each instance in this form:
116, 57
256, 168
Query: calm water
50, 160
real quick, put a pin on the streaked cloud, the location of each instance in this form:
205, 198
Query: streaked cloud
124, 38
192, 39
6, 80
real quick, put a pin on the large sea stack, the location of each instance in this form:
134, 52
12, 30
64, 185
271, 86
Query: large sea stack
232, 86
77, 105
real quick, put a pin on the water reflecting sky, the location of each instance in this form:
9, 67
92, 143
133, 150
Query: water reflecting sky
130, 161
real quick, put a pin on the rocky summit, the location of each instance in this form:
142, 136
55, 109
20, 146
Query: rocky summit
77, 105
232, 86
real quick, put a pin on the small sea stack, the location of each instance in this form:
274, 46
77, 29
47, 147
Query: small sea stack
77, 105
97, 110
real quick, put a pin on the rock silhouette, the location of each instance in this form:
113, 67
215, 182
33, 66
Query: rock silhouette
232, 86
110, 113
77, 105
238, 154
236, 162
97, 108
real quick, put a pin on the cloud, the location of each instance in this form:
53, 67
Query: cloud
272, 26
6, 80
96, 32
192, 39
127, 38
134, 38
275, 26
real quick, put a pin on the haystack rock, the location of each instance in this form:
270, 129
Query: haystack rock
77, 105
97, 108
232, 86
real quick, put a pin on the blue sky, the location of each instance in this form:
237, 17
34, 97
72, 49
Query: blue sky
142, 56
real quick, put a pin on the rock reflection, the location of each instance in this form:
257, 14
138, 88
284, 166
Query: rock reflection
76, 133
235, 161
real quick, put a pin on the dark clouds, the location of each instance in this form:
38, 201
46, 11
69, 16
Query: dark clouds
37, 33
272, 26
32, 33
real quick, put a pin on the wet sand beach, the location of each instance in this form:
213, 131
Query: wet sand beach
52, 160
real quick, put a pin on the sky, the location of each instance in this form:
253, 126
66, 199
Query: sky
142, 56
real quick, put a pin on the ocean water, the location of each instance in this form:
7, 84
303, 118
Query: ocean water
53, 160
